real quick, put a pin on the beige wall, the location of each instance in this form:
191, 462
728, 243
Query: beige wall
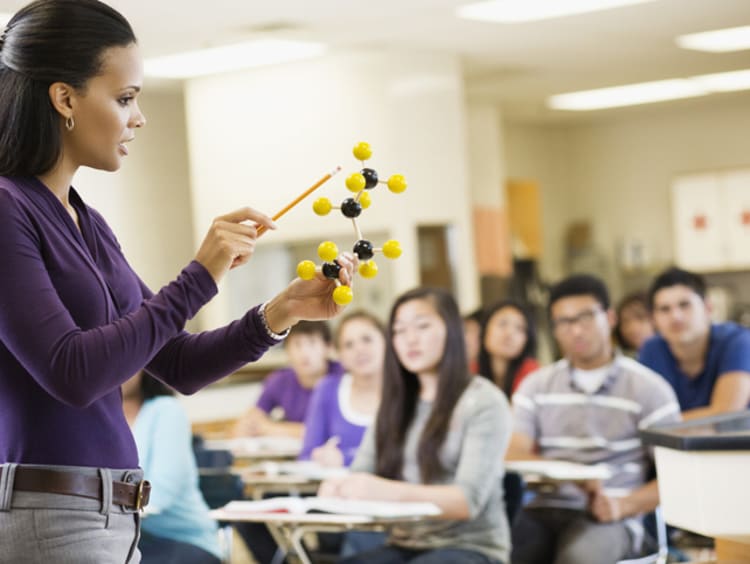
261, 137
617, 171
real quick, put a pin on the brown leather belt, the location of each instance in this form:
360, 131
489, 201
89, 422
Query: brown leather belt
43, 480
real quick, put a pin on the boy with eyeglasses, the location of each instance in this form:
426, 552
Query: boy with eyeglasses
707, 364
587, 408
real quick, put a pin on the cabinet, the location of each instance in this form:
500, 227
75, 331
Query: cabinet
711, 219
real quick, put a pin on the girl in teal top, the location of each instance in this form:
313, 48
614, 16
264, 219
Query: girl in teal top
176, 526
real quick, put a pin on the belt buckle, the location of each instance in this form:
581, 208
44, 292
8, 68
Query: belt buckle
139, 496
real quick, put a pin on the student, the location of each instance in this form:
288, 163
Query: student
176, 528
707, 364
634, 326
75, 319
472, 329
587, 408
342, 407
431, 439
282, 406
508, 345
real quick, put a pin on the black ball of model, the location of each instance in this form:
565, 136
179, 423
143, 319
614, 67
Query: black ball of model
371, 177
331, 270
351, 208
363, 249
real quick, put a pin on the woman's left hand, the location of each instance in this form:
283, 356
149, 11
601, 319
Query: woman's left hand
309, 299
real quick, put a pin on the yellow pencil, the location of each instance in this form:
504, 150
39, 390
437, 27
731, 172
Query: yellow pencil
262, 228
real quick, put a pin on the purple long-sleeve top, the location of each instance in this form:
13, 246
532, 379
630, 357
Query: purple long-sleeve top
76, 322
283, 389
330, 415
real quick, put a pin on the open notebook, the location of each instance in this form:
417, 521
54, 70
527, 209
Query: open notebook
335, 505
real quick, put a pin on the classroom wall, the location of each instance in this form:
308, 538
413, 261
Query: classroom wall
616, 170
261, 137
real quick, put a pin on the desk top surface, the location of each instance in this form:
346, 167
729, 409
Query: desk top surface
730, 431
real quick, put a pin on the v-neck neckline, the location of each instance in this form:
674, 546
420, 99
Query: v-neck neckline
82, 232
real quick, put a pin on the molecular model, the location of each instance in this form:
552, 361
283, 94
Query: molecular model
359, 183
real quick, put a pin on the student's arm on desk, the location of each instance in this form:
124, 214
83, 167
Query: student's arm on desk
450, 499
731, 393
257, 423
476, 477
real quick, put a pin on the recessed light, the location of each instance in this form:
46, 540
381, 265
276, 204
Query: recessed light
648, 92
718, 40
231, 57
517, 11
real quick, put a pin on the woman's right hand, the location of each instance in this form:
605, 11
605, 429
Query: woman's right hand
230, 242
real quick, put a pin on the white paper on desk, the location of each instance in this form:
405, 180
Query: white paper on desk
335, 505
254, 446
307, 469
561, 470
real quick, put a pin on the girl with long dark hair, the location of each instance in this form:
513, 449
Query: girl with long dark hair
507, 345
440, 436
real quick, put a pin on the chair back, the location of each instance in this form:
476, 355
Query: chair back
513, 488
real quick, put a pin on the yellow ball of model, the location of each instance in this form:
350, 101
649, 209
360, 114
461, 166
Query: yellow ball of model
392, 249
342, 295
328, 251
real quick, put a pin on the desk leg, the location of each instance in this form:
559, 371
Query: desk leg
281, 536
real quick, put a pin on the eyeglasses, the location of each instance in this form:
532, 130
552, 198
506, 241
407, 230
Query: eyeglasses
585, 319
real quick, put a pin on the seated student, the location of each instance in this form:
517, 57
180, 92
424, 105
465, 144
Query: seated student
342, 407
176, 528
472, 329
587, 408
287, 391
707, 364
430, 442
634, 326
507, 345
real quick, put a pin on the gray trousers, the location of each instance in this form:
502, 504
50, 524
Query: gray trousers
567, 536
43, 527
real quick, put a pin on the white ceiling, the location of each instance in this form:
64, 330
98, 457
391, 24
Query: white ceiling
515, 65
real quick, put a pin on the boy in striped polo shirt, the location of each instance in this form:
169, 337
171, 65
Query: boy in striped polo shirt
587, 408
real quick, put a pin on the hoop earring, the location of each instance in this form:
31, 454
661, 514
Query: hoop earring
69, 123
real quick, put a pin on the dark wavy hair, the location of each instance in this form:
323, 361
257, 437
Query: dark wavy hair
45, 42
580, 285
529, 349
677, 277
396, 412
311, 328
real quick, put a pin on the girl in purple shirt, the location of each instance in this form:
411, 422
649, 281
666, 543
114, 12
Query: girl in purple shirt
342, 407
75, 320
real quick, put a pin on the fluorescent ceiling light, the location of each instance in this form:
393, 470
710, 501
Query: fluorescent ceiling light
725, 81
648, 92
628, 95
516, 11
231, 57
717, 41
